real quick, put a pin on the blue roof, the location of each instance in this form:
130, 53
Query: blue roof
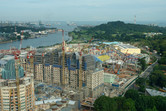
41, 85
58, 88
71, 68
36, 63
50, 86
97, 59
47, 64
57, 66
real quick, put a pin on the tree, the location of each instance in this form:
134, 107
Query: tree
160, 103
153, 79
154, 109
162, 60
120, 101
104, 103
133, 94
19, 37
140, 81
158, 78
142, 63
142, 88
144, 102
129, 105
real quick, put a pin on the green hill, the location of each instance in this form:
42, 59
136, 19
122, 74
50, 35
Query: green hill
121, 27
118, 31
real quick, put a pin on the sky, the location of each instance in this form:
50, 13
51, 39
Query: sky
82, 10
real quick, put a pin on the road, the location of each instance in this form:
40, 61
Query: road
144, 74
122, 90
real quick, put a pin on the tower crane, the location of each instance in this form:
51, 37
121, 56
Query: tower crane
63, 58
31, 63
17, 81
80, 69
27, 62
30, 57
21, 40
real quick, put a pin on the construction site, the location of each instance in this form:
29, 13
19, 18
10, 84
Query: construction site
16, 87
76, 73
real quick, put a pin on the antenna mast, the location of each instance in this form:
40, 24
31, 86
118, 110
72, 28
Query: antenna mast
135, 19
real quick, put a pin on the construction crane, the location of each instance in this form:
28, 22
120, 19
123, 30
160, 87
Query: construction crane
30, 58
21, 40
17, 81
10, 96
31, 63
63, 58
80, 69
125, 58
27, 62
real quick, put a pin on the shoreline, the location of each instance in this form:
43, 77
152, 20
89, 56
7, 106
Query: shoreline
67, 41
10, 41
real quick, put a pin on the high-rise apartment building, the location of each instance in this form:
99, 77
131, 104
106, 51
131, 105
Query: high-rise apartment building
95, 81
12, 98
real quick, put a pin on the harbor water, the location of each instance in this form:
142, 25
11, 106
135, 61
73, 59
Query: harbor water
44, 40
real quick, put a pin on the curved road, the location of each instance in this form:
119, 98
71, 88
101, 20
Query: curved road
122, 90
144, 74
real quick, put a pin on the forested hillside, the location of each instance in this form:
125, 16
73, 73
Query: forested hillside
116, 31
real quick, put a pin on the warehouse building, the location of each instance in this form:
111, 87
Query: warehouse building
127, 49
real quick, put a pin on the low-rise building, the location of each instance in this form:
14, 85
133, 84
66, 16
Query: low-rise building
128, 49
57, 104
153, 92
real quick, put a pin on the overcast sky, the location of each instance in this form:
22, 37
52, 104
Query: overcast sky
82, 10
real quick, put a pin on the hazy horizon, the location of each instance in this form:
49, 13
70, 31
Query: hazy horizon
83, 10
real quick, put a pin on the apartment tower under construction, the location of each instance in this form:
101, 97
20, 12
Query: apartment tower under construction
12, 98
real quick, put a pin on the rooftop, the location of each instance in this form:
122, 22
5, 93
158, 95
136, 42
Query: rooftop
2, 62
126, 46
109, 43
7, 58
155, 92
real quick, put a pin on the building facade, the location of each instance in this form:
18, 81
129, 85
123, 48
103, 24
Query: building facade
12, 91
8, 94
